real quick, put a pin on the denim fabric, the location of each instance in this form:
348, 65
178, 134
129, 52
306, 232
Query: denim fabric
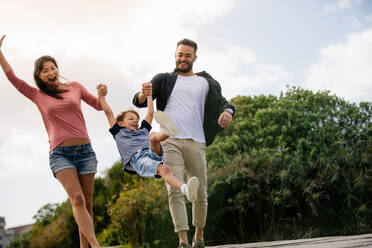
146, 162
82, 158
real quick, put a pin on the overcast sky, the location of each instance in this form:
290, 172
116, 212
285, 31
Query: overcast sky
251, 47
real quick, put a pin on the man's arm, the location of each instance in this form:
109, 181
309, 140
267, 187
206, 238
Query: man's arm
106, 108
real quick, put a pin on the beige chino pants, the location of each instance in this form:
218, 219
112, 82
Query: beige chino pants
186, 155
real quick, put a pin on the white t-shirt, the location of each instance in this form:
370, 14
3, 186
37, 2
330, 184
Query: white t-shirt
185, 107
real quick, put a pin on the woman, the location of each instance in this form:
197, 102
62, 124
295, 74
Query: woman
72, 159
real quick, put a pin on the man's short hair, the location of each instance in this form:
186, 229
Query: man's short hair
188, 42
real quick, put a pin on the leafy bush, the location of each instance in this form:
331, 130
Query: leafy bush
140, 215
297, 166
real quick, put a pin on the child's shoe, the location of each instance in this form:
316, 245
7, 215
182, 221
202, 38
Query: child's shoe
166, 123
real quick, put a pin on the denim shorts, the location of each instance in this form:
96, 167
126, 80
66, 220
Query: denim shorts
146, 162
82, 158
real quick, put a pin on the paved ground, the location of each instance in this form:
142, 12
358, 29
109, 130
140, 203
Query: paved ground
356, 241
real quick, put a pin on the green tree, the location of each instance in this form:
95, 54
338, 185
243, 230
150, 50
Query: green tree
294, 166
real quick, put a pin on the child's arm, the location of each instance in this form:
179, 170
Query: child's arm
150, 109
102, 100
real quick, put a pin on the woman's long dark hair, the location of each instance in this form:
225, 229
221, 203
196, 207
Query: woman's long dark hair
49, 89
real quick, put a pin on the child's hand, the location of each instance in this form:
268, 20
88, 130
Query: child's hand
102, 90
147, 89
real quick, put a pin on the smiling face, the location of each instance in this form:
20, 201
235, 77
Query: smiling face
129, 121
185, 57
49, 73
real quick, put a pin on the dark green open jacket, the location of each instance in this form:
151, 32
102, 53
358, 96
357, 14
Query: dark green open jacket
162, 86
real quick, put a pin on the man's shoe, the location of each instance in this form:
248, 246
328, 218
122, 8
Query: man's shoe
166, 123
183, 245
198, 244
192, 189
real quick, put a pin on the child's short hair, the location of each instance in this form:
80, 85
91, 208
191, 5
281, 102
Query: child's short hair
121, 116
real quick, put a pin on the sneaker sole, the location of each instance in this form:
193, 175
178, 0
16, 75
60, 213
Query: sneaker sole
166, 122
193, 184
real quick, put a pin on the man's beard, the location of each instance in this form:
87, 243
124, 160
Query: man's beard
187, 69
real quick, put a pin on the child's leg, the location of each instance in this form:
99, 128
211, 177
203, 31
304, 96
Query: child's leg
165, 172
190, 189
155, 139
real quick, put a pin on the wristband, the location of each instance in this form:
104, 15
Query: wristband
229, 110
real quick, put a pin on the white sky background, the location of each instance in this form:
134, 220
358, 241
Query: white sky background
251, 47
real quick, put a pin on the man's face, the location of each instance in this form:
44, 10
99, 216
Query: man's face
185, 57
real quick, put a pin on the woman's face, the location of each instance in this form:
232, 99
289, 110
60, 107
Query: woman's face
49, 73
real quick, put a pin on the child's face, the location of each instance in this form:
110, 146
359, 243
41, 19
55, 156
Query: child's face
130, 121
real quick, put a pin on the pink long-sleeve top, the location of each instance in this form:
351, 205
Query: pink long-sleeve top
63, 118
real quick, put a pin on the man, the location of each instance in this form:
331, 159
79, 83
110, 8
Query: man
195, 103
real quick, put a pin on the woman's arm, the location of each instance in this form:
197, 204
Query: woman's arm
19, 84
87, 97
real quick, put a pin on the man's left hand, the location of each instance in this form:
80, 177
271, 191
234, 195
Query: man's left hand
225, 119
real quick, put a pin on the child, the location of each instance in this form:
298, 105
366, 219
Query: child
141, 150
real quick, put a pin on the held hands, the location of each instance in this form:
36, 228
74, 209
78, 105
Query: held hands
225, 119
102, 90
147, 89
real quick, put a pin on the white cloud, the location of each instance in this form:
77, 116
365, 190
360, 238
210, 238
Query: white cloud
346, 4
345, 69
341, 5
240, 72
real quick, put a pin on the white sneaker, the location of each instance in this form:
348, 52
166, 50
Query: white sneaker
192, 189
166, 123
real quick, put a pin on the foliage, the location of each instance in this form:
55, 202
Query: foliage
54, 227
301, 162
22, 241
140, 216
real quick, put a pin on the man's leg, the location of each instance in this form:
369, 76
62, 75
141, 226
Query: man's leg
173, 157
196, 165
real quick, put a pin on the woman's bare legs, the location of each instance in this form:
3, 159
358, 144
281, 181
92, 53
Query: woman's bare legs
87, 186
70, 181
